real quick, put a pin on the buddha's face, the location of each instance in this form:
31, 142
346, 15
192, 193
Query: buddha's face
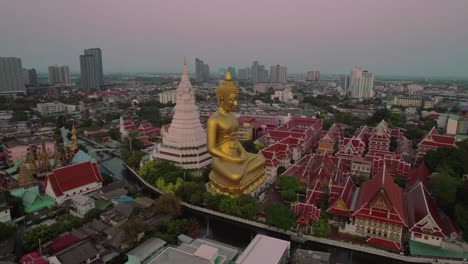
229, 103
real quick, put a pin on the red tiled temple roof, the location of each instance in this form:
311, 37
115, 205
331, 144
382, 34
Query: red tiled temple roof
382, 184
73, 176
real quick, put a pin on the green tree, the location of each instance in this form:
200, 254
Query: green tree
132, 158
114, 133
229, 206
461, 218
168, 204
444, 188
19, 116
15, 204
132, 230
415, 134
94, 213
211, 201
6, 231
288, 195
280, 216
396, 120
428, 123
321, 227
249, 146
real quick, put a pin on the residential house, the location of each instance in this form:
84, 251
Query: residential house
81, 205
82, 252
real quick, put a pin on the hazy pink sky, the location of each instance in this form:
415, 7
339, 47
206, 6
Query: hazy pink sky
402, 37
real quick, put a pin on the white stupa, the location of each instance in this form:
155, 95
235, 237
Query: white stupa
123, 132
184, 141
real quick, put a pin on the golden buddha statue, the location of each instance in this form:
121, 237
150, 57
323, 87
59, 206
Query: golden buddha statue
234, 170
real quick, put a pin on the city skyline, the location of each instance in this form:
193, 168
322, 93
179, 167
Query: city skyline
402, 38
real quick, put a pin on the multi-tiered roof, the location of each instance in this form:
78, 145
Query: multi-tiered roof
184, 143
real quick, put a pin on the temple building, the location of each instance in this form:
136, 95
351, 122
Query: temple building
288, 143
65, 182
184, 142
329, 139
433, 141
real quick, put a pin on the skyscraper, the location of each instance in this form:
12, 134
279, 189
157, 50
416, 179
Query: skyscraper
64, 75
92, 76
96, 52
202, 71
59, 74
362, 84
244, 74
313, 75
258, 73
32, 77
278, 74
206, 73
344, 83
11, 75
25, 77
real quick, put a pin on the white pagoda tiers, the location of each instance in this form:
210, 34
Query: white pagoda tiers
184, 141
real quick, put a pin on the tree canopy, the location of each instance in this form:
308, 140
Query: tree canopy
279, 216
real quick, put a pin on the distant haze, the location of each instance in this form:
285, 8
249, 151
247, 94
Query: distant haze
388, 37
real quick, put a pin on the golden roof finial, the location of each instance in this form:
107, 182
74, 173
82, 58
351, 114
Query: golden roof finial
228, 76
74, 138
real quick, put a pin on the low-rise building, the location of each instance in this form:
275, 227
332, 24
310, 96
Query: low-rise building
146, 252
200, 251
16, 150
408, 101
55, 108
265, 249
5, 216
118, 215
260, 88
83, 252
81, 205
168, 97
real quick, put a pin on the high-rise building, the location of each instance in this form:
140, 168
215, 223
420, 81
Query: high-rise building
32, 77
25, 77
202, 71
206, 73
184, 141
53, 74
64, 75
97, 53
244, 74
59, 74
362, 83
11, 75
278, 74
92, 76
258, 73
313, 75
344, 83
199, 68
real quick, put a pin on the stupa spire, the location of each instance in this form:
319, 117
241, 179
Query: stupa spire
185, 139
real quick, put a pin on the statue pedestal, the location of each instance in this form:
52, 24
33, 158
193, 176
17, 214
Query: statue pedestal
245, 186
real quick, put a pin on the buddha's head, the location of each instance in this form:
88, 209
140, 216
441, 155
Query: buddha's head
227, 94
